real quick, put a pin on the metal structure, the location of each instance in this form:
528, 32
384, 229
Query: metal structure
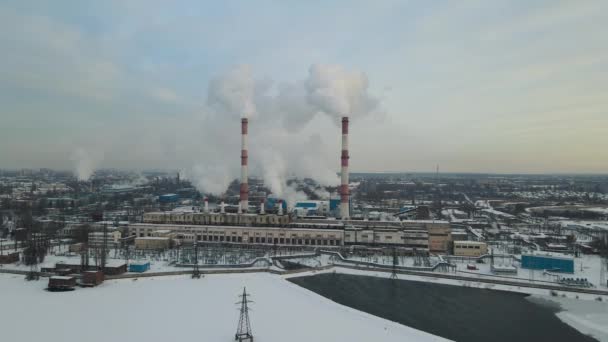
243, 329
34, 252
344, 191
395, 263
196, 272
104, 247
244, 192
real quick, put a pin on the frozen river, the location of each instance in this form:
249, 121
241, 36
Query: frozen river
454, 312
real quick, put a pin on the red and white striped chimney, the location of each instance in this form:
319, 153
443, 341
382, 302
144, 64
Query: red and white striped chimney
344, 192
244, 174
206, 207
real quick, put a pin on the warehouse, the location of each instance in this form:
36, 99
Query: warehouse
244, 234
551, 262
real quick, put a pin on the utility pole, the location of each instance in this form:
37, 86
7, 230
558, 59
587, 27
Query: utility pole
243, 330
196, 272
104, 246
395, 263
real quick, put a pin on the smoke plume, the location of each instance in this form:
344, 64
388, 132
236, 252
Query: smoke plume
85, 162
293, 128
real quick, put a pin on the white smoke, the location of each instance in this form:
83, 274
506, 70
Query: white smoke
282, 142
85, 162
234, 92
291, 196
211, 179
339, 92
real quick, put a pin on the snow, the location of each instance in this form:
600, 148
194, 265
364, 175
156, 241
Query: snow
180, 309
588, 317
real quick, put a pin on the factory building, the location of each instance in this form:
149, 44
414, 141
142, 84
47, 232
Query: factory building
177, 217
388, 237
311, 208
242, 234
152, 242
96, 239
409, 234
440, 238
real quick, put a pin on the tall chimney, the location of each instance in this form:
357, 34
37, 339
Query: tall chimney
206, 208
280, 207
222, 209
244, 183
344, 192
263, 207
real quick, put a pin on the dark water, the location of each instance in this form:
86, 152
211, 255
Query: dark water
454, 312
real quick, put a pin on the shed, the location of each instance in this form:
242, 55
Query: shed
61, 283
139, 267
92, 278
115, 268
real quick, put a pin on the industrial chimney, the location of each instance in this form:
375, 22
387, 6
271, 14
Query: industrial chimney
344, 192
206, 207
222, 209
280, 207
263, 207
244, 183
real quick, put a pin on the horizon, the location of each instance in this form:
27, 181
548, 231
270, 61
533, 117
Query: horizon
477, 87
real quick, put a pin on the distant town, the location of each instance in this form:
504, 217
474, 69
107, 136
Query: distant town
548, 230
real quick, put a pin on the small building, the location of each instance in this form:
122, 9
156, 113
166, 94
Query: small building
470, 248
9, 258
76, 247
61, 283
152, 242
92, 278
139, 267
115, 268
551, 262
503, 269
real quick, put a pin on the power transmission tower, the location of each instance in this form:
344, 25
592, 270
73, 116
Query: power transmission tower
395, 263
196, 272
243, 330
104, 246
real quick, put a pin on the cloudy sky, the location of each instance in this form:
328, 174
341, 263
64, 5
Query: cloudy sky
474, 86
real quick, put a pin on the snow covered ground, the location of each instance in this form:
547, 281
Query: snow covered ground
181, 309
585, 266
588, 317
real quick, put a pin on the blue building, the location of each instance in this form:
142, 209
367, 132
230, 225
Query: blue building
139, 267
547, 262
334, 203
271, 203
168, 198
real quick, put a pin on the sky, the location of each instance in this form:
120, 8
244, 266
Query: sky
471, 86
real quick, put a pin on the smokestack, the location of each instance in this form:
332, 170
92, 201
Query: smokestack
263, 207
344, 192
280, 207
244, 174
222, 210
206, 208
